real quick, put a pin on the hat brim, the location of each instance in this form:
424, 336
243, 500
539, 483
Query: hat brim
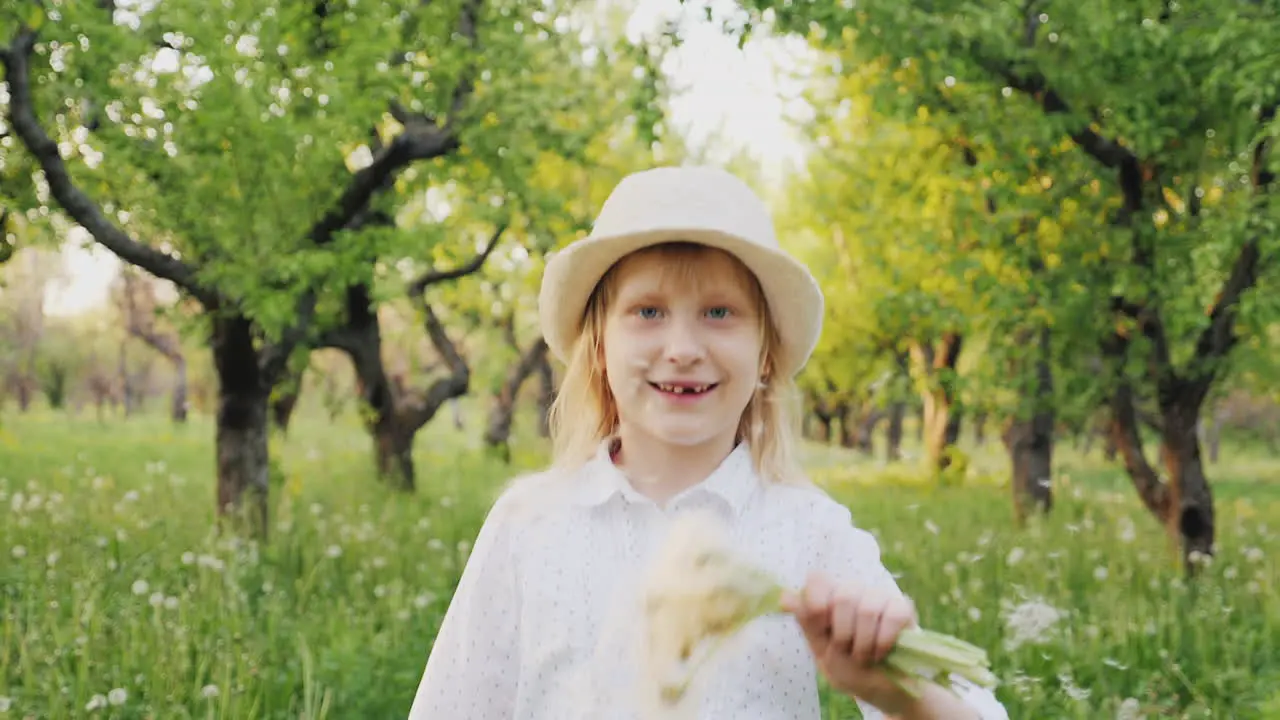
794, 298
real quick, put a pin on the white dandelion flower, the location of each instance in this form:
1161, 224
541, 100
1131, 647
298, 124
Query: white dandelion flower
1030, 623
1130, 709
117, 696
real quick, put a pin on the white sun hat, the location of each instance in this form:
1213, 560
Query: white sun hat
704, 205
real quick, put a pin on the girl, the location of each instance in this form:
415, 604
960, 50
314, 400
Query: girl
682, 324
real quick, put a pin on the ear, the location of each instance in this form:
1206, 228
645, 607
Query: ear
766, 367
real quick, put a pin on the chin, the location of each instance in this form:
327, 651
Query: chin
689, 434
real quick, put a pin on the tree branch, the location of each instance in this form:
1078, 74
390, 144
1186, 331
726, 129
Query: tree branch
432, 277
422, 408
73, 200
138, 320
1219, 337
422, 139
1106, 151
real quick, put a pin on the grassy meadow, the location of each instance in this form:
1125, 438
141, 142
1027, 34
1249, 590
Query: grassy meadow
116, 600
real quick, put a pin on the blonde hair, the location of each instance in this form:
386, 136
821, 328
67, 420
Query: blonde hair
584, 413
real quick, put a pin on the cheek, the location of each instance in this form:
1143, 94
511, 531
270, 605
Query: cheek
743, 357
623, 365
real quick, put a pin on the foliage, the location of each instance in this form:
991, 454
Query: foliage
1071, 91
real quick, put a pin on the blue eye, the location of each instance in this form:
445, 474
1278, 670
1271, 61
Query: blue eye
718, 313
648, 313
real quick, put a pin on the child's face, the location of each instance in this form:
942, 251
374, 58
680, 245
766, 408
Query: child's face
682, 349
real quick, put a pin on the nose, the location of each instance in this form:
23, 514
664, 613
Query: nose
684, 345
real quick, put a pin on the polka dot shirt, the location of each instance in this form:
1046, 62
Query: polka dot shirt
538, 628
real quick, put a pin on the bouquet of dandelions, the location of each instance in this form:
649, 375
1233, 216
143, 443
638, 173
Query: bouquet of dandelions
698, 594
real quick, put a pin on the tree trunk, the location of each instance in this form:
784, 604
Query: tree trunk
893, 439
980, 427
137, 303
824, 431
126, 381
241, 437
1030, 439
498, 433
26, 393
1183, 504
393, 440
1190, 509
860, 432
844, 413
178, 406
941, 417
398, 413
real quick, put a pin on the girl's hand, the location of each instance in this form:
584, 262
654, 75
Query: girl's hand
850, 630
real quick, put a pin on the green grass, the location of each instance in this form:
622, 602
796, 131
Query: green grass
120, 584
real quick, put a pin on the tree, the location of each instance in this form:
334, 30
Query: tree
28, 276
138, 306
1167, 104
235, 170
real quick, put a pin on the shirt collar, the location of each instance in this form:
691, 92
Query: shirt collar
733, 481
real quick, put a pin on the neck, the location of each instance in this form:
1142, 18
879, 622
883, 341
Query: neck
661, 470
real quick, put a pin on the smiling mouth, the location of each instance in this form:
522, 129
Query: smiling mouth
684, 389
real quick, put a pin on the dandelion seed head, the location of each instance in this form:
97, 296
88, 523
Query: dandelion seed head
1130, 709
1029, 623
117, 696
696, 591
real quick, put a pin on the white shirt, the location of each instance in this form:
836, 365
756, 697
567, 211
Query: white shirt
529, 633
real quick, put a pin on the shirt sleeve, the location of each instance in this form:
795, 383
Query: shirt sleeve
849, 554
472, 671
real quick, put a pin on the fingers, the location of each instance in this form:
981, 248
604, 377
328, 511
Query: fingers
851, 624
812, 609
898, 615
870, 611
